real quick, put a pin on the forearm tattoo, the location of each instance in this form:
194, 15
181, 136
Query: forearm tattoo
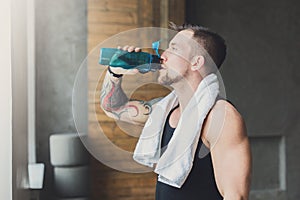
114, 100
146, 104
112, 96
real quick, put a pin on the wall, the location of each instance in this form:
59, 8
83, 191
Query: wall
19, 62
14, 113
261, 75
61, 47
5, 102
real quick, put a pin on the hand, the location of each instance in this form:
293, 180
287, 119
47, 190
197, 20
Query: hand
120, 70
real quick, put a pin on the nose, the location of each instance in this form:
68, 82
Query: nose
164, 57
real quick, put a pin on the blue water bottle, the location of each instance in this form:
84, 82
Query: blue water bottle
144, 62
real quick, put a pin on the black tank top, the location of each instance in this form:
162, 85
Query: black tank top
200, 183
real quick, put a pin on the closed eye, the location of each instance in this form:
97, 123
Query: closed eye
173, 46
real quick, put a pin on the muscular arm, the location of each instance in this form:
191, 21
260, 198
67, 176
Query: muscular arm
230, 152
116, 104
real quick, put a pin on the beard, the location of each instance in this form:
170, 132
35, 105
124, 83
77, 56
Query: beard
169, 79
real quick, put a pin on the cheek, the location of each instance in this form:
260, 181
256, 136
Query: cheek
180, 58
181, 64
177, 64
179, 70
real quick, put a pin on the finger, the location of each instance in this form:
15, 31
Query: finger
130, 49
125, 48
137, 49
119, 47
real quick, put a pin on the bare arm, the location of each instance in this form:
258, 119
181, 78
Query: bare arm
231, 155
116, 104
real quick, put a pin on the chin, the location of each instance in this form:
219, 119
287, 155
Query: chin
161, 77
165, 81
160, 81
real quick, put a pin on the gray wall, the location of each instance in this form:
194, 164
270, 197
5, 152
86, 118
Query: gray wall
262, 78
61, 34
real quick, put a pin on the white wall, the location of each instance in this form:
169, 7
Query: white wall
19, 63
5, 102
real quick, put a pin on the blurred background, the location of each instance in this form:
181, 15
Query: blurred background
49, 41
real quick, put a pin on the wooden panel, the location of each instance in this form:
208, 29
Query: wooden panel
145, 13
112, 5
109, 29
114, 17
164, 13
177, 11
96, 40
105, 19
171, 11
117, 185
156, 13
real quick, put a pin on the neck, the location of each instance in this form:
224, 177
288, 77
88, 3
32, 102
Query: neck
185, 90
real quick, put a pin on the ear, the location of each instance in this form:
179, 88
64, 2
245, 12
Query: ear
197, 62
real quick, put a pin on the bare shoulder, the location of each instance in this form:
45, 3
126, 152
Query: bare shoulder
225, 123
230, 150
232, 115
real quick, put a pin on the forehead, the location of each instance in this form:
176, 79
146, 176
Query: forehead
183, 37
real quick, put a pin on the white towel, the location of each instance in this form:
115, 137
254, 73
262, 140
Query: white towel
174, 165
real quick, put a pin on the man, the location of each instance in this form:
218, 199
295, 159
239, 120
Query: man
192, 119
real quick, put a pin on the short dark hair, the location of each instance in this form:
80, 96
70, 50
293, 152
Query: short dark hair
212, 42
